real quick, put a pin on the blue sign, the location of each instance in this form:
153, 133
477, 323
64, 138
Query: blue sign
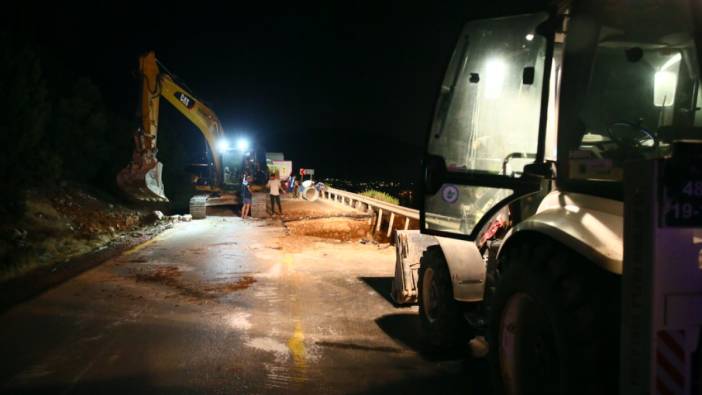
449, 193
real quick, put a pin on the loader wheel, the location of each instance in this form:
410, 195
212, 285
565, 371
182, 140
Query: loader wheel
554, 325
439, 313
198, 207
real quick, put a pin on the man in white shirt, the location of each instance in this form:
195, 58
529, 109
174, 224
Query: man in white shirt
274, 191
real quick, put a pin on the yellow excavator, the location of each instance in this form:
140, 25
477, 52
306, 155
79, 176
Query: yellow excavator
141, 179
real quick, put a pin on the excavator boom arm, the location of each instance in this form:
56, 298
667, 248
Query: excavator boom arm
199, 114
141, 179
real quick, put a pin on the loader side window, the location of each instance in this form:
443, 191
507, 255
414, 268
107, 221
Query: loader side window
637, 77
491, 111
487, 118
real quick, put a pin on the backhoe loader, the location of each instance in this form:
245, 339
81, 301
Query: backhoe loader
563, 186
141, 179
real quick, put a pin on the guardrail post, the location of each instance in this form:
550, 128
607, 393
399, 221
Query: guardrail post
374, 208
392, 219
380, 220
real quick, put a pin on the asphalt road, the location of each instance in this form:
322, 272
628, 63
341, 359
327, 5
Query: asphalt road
222, 306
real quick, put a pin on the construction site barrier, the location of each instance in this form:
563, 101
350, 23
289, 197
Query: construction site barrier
378, 208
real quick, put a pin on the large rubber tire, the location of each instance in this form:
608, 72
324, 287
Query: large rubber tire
554, 324
439, 313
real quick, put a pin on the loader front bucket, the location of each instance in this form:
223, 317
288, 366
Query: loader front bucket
142, 183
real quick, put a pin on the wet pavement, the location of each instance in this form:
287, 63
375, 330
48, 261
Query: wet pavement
222, 306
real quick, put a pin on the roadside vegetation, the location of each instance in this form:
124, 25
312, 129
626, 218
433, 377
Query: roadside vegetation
382, 196
60, 150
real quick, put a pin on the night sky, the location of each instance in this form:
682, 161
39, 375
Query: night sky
347, 89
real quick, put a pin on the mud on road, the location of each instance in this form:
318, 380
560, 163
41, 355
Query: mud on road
229, 306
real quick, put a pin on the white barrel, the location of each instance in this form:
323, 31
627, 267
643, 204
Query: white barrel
310, 194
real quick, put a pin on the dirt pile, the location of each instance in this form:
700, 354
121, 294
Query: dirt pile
63, 222
339, 228
325, 219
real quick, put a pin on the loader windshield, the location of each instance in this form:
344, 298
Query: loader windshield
486, 122
641, 91
487, 118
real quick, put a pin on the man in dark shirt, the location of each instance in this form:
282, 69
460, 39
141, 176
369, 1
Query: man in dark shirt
246, 197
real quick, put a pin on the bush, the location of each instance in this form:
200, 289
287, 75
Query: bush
382, 196
79, 127
50, 132
25, 109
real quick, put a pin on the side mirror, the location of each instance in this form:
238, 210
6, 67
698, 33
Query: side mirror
528, 75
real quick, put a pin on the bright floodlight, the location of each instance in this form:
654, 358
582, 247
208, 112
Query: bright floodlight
530, 37
242, 144
223, 145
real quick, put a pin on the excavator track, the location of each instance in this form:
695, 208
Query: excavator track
198, 206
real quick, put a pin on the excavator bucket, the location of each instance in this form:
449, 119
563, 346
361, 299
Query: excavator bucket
142, 182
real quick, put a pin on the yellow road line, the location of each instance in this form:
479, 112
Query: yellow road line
160, 237
140, 247
296, 344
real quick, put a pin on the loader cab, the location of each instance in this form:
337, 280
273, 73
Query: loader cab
633, 87
503, 134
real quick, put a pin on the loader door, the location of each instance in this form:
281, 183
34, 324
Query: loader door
488, 124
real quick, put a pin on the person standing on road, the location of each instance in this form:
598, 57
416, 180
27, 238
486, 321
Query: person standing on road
246, 196
274, 191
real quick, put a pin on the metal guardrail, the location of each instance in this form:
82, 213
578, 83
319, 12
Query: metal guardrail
368, 204
353, 199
